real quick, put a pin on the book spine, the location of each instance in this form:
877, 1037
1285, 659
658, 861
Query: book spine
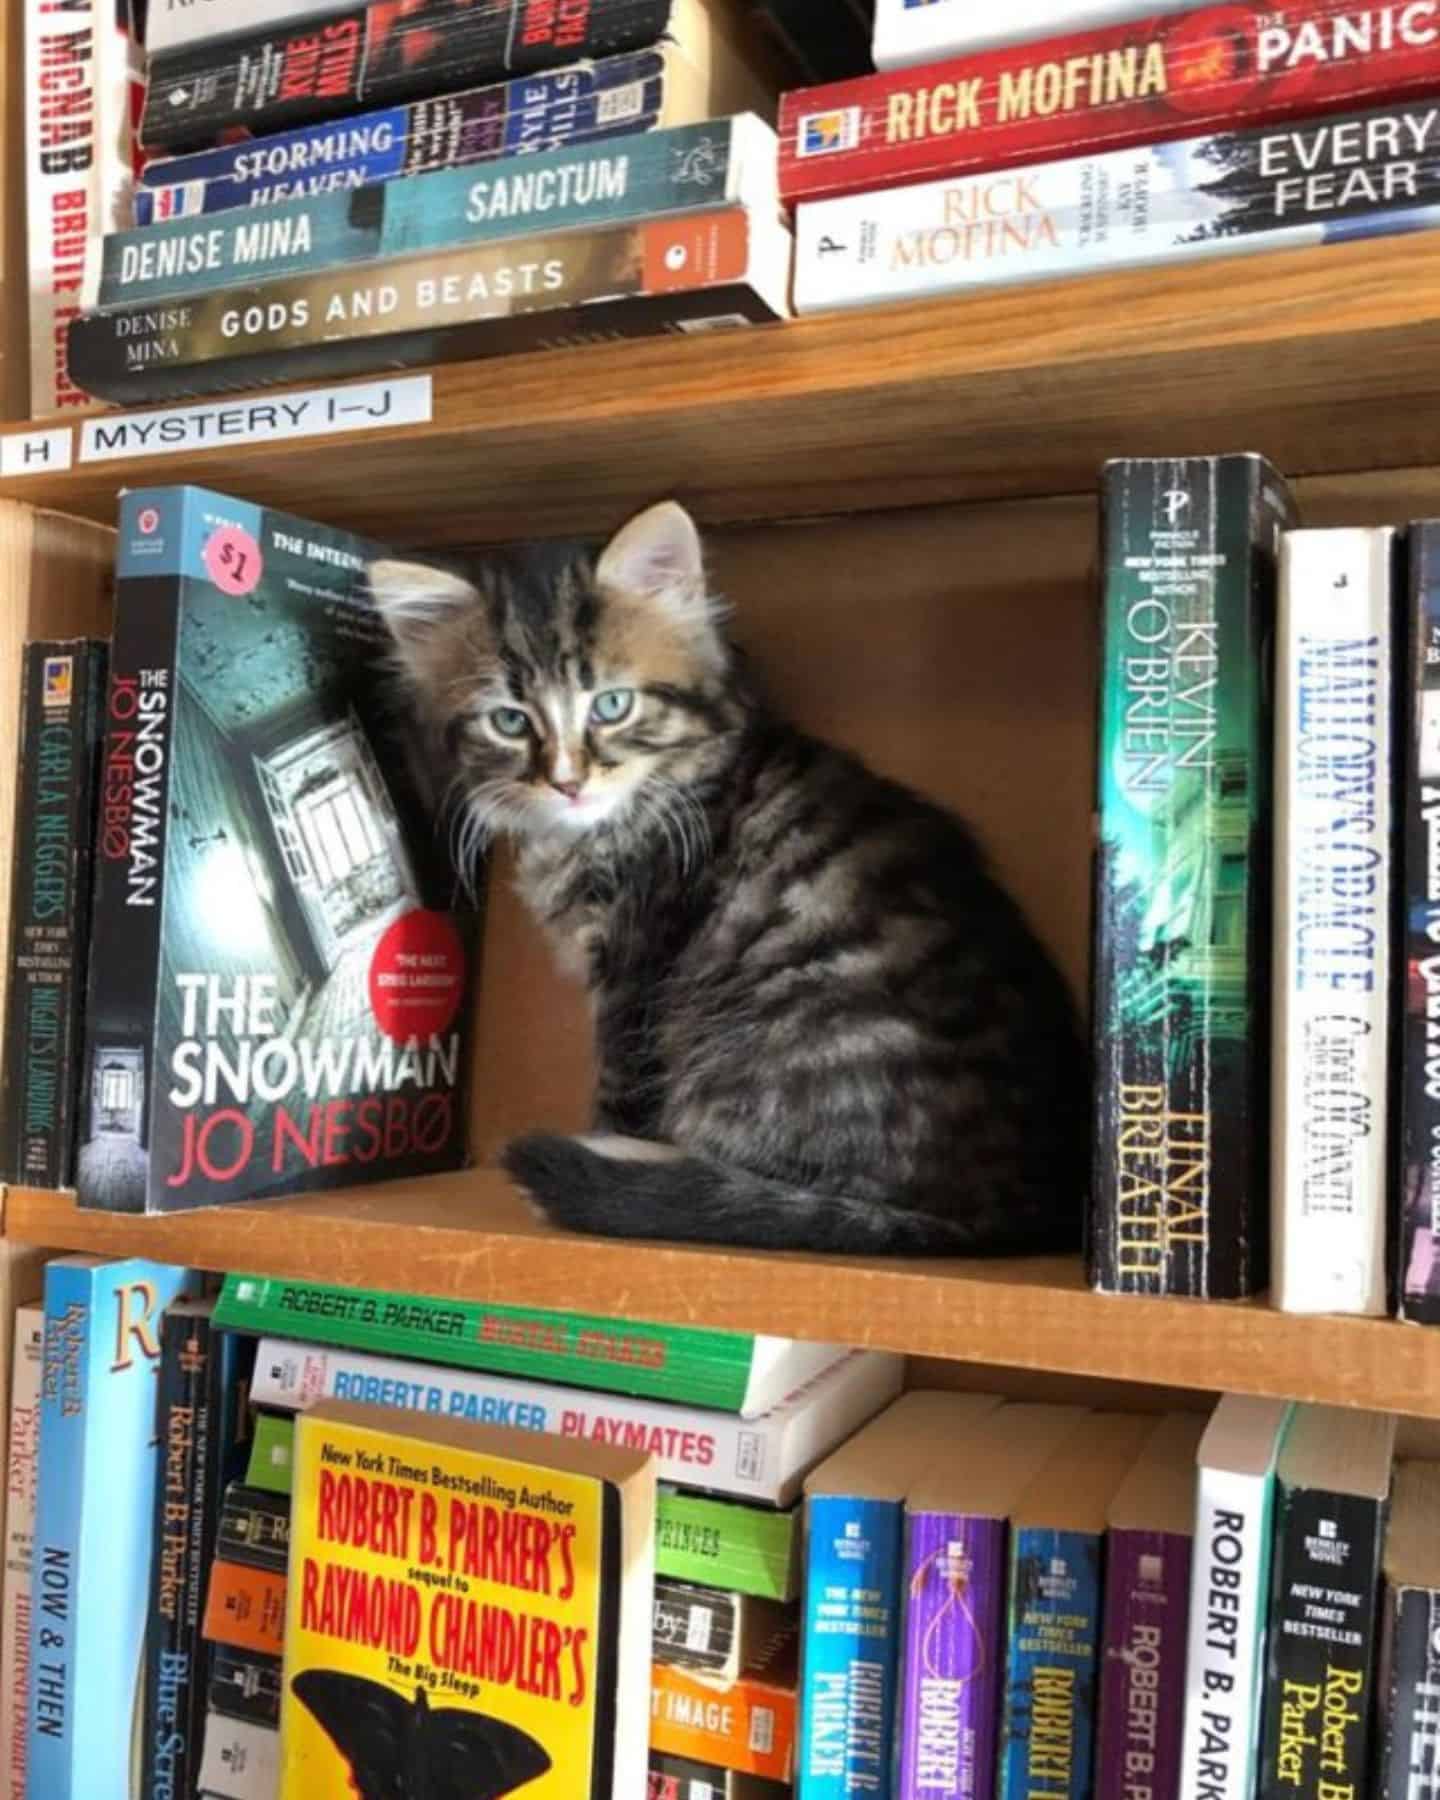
451, 131
241, 1759
319, 69
707, 272
174, 1694
952, 1663
694, 1628
1418, 1226
272, 1454
1409, 1695
1142, 1665
245, 1608
113, 1167
688, 169
1321, 1647
748, 1727
1230, 194
1333, 908
61, 709
254, 1528
1047, 1716
21, 1480
172, 24
120, 94
852, 1609
1182, 916
245, 1685
1139, 81
1225, 1663
723, 1544
60, 1498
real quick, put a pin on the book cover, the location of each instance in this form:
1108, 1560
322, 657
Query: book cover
241, 1760
1323, 180
376, 54
1213, 67
465, 1599
731, 1371
278, 988
21, 1479
244, 1684
923, 31
682, 1778
1182, 911
245, 1608
1331, 1041
1407, 1715
94, 1520
62, 709
702, 271
750, 1726
254, 1527
1331, 1503
1229, 1596
728, 1544
692, 168
763, 1459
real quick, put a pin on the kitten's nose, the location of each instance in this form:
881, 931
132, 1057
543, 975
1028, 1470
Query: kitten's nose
570, 789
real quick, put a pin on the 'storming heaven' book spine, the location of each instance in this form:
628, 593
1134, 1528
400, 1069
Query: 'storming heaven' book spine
1142, 1665
1047, 1718
1418, 1226
1326, 180
1408, 1694
62, 708
723, 163
618, 94
377, 53
705, 272
1134, 82
1182, 917
1330, 1073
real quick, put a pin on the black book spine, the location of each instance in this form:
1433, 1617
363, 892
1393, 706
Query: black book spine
245, 1685
1320, 1654
267, 81
113, 1167
694, 1627
254, 1528
1408, 1765
62, 704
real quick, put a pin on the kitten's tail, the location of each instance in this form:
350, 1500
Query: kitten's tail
628, 1188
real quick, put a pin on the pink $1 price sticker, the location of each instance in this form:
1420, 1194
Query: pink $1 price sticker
233, 560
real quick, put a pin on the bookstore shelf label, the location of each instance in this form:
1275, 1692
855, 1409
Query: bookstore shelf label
35, 452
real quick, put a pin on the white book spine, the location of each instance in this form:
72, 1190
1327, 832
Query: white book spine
1229, 1589
120, 94
920, 31
21, 1471
1333, 896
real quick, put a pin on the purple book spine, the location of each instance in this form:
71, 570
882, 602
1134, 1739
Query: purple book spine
954, 1662
1142, 1675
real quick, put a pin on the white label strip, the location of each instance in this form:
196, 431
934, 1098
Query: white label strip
35, 452
258, 418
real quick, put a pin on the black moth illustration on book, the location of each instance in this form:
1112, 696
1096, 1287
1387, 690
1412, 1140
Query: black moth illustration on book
401, 1749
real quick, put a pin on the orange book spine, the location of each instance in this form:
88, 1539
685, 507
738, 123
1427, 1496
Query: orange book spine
246, 1608
749, 1727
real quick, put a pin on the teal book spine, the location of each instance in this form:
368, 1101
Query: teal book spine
611, 182
1047, 1726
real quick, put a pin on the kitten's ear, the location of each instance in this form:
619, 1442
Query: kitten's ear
416, 601
657, 556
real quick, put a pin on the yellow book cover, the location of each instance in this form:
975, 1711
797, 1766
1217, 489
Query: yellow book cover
468, 1612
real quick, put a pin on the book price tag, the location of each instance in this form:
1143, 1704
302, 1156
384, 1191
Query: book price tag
258, 418
35, 452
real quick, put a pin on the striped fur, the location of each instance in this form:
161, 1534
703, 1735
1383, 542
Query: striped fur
820, 1023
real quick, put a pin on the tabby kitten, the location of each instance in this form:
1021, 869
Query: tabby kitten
820, 1023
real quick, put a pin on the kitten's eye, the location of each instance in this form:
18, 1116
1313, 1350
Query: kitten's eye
613, 705
510, 722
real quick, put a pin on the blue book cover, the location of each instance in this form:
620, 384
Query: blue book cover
93, 1521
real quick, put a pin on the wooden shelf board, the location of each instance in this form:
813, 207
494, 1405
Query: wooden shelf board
471, 1235
1326, 358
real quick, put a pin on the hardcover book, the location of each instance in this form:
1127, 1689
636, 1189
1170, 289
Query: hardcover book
468, 1606
21, 1480
277, 998
712, 1633
1331, 1043
957, 1540
730, 1371
750, 1726
1219, 68
1229, 1594
94, 1521
1323, 180
1332, 1498
1047, 1714
1182, 912
702, 271
923, 31
1408, 1678
762, 1459
62, 710
582, 103
854, 1590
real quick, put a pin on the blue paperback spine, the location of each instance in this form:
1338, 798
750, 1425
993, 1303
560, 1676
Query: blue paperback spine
850, 1646
1047, 1725
93, 1521
609, 97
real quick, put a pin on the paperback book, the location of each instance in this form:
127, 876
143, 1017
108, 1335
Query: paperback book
714, 1634
241, 1760
923, 31
254, 1527
1408, 1676
245, 1608
682, 1778
279, 976
62, 711
22, 1470
1182, 913
244, 1685
750, 1727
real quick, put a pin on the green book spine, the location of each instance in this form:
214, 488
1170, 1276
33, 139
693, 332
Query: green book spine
652, 1362
272, 1454
723, 1544
1182, 927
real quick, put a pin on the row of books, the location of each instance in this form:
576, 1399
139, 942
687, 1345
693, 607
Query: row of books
346, 1571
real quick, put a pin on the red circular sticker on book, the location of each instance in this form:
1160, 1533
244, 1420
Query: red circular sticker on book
233, 560
417, 976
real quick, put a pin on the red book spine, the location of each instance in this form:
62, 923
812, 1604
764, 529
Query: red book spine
1174, 76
